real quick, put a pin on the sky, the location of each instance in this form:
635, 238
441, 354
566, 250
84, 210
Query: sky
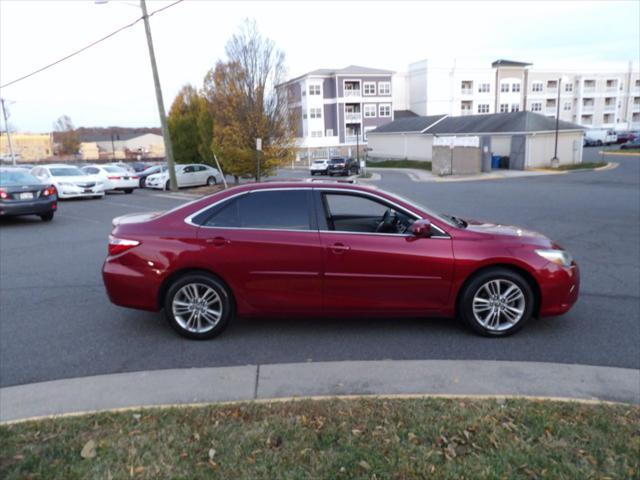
111, 84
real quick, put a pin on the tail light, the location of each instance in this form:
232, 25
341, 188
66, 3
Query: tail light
135, 177
50, 190
119, 245
3, 194
113, 178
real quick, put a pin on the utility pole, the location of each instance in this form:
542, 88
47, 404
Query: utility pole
258, 152
113, 148
6, 129
168, 148
555, 161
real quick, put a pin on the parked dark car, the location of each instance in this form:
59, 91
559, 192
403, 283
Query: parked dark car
23, 194
331, 249
624, 137
343, 166
140, 166
631, 144
150, 171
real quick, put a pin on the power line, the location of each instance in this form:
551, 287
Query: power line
73, 54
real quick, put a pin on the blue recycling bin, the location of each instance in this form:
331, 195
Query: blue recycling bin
495, 161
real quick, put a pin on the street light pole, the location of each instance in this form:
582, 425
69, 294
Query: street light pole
168, 148
555, 162
6, 128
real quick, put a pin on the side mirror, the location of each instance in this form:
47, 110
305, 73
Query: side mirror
421, 228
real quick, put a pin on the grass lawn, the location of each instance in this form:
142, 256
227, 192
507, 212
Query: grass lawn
336, 439
581, 166
400, 164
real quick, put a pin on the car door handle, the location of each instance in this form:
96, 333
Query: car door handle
339, 248
218, 241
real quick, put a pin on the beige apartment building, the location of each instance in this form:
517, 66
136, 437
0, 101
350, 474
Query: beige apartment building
28, 147
602, 97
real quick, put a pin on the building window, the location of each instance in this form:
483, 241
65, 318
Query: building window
304, 115
316, 133
504, 107
369, 110
567, 106
483, 87
515, 87
504, 87
384, 88
466, 87
315, 113
384, 110
537, 87
369, 88
568, 87
515, 107
536, 107
329, 132
314, 89
483, 108
637, 83
552, 84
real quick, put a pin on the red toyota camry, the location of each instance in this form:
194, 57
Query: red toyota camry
331, 249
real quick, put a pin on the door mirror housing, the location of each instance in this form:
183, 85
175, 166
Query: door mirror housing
421, 228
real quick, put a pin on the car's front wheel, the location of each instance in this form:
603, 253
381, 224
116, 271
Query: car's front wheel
497, 302
198, 306
47, 217
211, 181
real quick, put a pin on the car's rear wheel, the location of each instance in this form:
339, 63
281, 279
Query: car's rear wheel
47, 217
167, 186
198, 306
128, 190
497, 302
211, 181
142, 182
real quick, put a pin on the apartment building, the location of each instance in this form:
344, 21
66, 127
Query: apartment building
335, 108
599, 98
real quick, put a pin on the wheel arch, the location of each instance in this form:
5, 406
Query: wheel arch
166, 283
530, 279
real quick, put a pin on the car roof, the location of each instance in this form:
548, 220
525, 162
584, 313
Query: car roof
305, 184
11, 169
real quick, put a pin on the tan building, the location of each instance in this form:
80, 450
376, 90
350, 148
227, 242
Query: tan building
28, 147
121, 146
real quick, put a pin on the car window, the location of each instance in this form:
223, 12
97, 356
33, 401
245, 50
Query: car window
66, 172
16, 177
91, 170
187, 169
353, 206
281, 209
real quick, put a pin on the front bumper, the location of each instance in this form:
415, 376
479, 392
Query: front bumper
559, 289
154, 183
39, 206
65, 191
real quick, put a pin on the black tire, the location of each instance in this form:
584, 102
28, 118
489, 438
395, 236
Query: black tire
128, 190
599, 143
313, 174
167, 186
226, 302
142, 182
47, 217
465, 303
211, 181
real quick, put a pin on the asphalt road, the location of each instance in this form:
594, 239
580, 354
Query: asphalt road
56, 321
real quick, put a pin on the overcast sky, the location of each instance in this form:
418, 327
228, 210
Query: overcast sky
111, 84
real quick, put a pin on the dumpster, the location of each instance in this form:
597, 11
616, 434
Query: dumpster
495, 161
504, 162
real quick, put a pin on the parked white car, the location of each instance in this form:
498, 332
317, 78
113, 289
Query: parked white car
320, 166
69, 180
126, 166
113, 178
191, 175
599, 137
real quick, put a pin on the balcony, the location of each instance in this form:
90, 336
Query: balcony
587, 108
610, 108
466, 111
588, 89
352, 139
353, 117
352, 93
466, 91
551, 110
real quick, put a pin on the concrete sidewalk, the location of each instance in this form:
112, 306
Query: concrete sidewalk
387, 377
418, 175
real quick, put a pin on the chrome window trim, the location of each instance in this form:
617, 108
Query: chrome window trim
189, 219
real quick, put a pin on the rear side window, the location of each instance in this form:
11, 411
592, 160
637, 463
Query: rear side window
278, 209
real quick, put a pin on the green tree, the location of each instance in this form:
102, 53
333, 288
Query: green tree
245, 106
183, 125
66, 136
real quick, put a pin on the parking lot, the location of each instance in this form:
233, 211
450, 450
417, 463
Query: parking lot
57, 322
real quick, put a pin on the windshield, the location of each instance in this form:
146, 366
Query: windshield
17, 178
337, 160
449, 220
67, 172
115, 169
319, 161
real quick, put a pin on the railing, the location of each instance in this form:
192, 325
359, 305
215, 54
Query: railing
551, 109
586, 89
610, 108
466, 91
352, 139
352, 93
587, 108
466, 111
353, 117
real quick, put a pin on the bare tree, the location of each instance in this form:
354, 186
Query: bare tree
66, 136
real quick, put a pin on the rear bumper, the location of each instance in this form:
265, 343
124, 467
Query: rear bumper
559, 289
131, 287
36, 207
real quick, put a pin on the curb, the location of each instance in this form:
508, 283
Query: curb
193, 386
618, 152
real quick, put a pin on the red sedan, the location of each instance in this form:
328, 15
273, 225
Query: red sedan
331, 249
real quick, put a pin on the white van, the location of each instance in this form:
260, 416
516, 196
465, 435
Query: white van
599, 137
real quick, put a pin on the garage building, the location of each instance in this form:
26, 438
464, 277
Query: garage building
527, 138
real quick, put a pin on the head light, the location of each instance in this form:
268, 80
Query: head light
559, 257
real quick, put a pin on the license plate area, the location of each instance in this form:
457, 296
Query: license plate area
87, 190
26, 196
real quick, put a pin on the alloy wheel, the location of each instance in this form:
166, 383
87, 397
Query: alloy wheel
197, 307
498, 305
